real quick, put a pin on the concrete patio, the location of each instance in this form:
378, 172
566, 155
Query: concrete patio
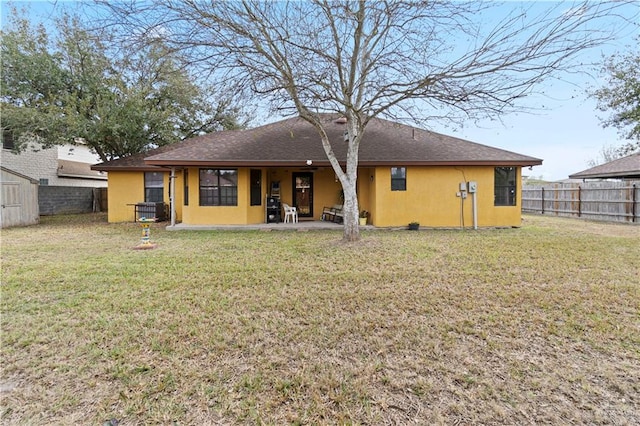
303, 225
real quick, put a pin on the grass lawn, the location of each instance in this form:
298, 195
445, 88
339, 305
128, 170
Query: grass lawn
513, 326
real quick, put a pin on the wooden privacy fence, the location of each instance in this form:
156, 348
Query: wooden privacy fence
606, 201
100, 200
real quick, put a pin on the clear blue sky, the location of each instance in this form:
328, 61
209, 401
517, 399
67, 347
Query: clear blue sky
566, 133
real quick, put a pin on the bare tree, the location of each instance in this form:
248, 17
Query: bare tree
606, 154
409, 60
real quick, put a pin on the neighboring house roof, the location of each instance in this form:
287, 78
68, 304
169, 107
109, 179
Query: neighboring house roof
55, 165
133, 162
293, 141
77, 169
622, 168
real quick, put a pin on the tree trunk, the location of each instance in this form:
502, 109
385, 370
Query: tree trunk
350, 178
351, 230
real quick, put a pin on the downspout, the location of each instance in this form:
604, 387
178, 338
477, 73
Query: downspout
172, 198
461, 211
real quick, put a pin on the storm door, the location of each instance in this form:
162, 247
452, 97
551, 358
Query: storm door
303, 193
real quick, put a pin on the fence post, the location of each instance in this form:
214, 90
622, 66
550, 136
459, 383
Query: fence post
543, 200
579, 201
634, 197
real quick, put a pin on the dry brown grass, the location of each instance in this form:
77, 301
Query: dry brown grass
533, 325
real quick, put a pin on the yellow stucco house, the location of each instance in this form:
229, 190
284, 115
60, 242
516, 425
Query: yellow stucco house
241, 177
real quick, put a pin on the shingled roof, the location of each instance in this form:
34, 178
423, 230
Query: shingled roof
293, 141
135, 162
78, 169
622, 168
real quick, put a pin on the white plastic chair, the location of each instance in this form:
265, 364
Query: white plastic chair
290, 212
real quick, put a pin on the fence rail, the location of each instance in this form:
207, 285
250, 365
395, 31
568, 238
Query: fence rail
606, 201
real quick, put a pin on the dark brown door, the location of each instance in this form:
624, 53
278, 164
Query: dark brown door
303, 193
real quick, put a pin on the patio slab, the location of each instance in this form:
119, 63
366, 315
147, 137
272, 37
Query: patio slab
305, 225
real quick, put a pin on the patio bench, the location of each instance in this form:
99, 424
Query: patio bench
333, 214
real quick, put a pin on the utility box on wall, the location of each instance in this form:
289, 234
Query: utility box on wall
473, 186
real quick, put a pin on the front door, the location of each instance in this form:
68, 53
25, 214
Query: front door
303, 193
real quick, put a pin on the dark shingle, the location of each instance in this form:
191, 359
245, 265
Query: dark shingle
622, 168
294, 141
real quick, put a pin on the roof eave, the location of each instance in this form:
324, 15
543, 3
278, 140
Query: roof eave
521, 163
79, 176
325, 163
141, 168
630, 175
230, 163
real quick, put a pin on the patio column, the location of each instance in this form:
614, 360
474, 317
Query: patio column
172, 199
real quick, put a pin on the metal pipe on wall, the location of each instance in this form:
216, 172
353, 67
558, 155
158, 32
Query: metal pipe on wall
475, 210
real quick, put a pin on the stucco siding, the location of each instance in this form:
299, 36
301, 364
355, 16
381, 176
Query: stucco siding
430, 197
125, 190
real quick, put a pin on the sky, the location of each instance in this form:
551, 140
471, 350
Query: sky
565, 132
566, 135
